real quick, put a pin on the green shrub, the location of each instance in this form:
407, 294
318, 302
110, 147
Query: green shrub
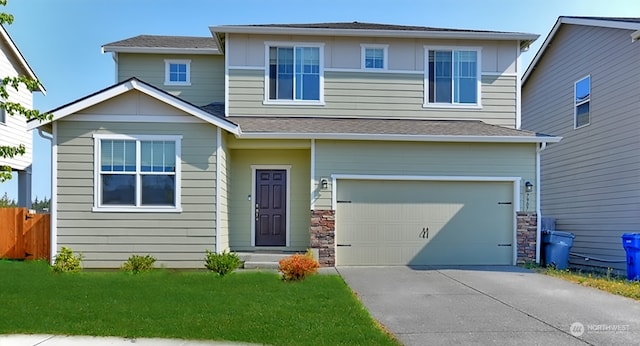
67, 261
222, 263
297, 267
136, 264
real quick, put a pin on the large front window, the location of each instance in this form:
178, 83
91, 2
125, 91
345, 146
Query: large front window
452, 77
137, 172
294, 74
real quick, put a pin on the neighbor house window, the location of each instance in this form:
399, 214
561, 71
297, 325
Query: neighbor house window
374, 57
294, 73
3, 115
137, 173
453, 76
582, 100
177, 72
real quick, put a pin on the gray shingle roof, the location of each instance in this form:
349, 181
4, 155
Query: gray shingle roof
156, 41
364, 26
364, 126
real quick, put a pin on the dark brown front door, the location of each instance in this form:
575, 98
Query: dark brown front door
271, 207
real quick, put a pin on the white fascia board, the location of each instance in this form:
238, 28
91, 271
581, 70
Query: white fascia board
133, 84
23, 62
161, 50
415, 138
477, 35
576, 21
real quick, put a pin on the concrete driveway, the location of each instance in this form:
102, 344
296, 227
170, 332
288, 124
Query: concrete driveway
492, 305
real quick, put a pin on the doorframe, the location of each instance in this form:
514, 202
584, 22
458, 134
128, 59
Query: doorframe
516, 193
254, 168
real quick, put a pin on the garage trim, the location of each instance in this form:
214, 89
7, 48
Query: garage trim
515, 180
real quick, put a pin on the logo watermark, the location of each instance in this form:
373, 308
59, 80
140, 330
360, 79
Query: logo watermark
578, 329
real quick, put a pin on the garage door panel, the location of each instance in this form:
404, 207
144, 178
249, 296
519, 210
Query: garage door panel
386, 222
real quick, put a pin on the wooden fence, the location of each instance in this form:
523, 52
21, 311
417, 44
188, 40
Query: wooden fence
24, 235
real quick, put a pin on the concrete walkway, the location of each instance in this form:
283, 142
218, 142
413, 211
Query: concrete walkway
57, 340
492, 305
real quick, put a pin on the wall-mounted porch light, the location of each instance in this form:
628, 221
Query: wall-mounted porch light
324, 183
528, 187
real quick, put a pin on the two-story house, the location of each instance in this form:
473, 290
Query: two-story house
584, 85
13, 129
371, 144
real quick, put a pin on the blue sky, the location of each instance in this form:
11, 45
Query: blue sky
61, 39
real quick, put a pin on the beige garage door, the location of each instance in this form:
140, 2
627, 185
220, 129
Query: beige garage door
424, 223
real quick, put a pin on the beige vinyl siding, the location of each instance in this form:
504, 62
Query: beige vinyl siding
349, 94
405, 54
106, 239
14, 131
591, 179
240, 207
425, 159
207, 75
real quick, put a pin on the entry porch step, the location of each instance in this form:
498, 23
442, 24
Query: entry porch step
262, 260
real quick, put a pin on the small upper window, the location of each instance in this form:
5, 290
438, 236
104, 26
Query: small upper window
453, 76
374, 57
3, 115
294, 73
582, 91
177, 72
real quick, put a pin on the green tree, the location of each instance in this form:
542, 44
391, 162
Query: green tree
12, 108
5, 202
41, 205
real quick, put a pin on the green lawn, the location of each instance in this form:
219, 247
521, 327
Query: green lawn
244, 306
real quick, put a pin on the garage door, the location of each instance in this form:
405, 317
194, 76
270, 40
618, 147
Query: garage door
424, 223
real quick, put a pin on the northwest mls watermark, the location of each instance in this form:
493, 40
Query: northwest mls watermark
578, 329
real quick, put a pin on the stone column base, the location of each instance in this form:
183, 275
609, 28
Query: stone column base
323, 230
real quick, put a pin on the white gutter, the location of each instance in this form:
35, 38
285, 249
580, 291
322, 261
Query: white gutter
539, 150
635, 36
395, 137
219, 248
437, 34
54, 192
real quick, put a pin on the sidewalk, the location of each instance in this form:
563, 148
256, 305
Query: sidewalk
60, 340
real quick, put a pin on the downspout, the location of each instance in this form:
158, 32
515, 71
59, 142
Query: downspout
53, 208
539, 150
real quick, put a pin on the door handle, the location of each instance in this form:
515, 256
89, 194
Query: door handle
257, 211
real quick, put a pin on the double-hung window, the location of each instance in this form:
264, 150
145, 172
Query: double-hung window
177, 72
453, 77
582, 101
294, 74
137, 173
374, 57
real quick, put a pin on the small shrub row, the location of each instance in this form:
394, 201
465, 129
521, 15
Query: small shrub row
222, 263
137, 264
297, 267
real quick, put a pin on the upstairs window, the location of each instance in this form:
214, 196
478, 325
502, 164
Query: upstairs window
374, 57
453, 77
3, 115
177, 72
137, 173
582, 100
294, 74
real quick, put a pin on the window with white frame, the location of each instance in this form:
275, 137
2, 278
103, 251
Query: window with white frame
374, 57
137, 172
294, 73
177, 72
453, 76
3, 115
582, 101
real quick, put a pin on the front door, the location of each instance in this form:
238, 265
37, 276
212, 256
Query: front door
271, 207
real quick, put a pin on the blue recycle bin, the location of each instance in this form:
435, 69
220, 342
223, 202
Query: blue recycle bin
631, 244
556, 247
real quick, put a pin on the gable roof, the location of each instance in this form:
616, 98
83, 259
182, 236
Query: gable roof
371, 30
125, 86
625, 23
382, 129
164, 44
18, 55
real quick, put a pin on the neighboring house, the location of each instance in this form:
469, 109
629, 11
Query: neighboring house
13, 129
372, 144
584, 85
